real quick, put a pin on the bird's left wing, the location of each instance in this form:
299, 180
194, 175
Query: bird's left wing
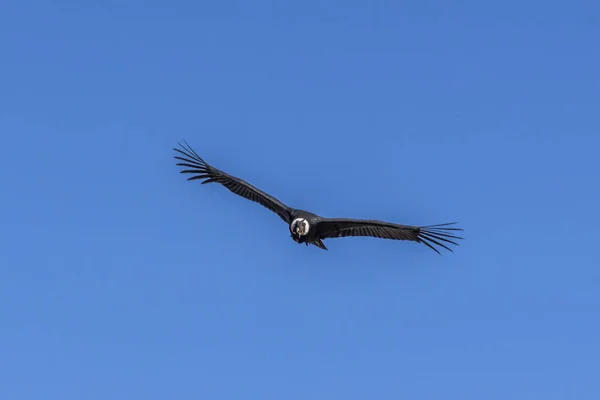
429, 235
202, 170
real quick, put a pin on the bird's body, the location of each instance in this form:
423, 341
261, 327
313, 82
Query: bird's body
303, 228
309, 228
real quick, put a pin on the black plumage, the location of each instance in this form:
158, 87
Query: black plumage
306, 227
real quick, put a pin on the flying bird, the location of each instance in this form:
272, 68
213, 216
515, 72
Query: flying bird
308, 228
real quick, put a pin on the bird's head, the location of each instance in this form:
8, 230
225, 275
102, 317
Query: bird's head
299, 227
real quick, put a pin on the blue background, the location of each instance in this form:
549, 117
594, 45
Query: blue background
120, 280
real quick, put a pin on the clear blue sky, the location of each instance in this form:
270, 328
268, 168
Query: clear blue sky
120, 280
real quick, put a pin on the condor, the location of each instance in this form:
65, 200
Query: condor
306, 227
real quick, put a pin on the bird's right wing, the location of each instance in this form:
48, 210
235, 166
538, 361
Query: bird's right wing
202, 170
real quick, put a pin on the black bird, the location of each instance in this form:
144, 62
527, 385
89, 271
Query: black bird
306, 227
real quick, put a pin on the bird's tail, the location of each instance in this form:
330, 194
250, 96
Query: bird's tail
319, 243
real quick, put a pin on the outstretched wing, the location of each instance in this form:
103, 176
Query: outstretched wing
202, 170
429, 235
